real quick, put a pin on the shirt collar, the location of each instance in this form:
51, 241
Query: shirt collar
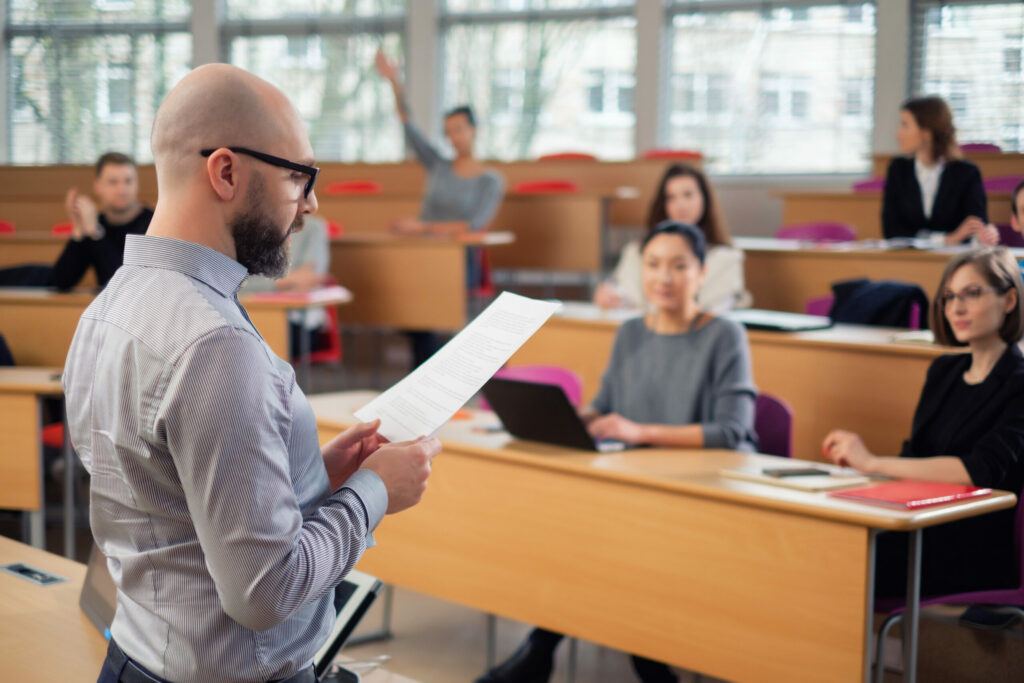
201, 263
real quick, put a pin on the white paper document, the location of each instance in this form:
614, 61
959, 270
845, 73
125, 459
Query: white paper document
427, 398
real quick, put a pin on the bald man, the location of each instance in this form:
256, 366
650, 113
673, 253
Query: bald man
225, 526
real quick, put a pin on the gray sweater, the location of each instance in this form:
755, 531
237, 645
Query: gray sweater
450, 197
699, 377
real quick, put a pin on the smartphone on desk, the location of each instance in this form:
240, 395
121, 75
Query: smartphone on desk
795, 472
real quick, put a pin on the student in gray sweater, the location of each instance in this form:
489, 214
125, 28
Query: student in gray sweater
678, 377
461, 194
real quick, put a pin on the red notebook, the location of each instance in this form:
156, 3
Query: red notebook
911, 495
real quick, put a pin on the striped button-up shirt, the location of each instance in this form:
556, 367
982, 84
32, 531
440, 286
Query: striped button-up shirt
209, 497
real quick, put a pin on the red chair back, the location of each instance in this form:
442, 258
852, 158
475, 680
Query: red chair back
61, 229
773, 422
550, 186
818, 232
348, 187
570, 382
6, 227
567, 156
665, 153
334, 229
332, 353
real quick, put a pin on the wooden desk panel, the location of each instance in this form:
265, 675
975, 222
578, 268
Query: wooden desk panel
862, 211
869, 385
990, 164
552, 232
648, 551
784, 279
39, 325
405, 284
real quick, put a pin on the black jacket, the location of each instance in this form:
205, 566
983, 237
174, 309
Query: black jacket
105, 254
976, 553
886, 303
960, 194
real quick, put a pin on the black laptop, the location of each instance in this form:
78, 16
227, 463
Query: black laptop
541, 412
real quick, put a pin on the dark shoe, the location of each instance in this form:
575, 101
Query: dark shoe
531, 663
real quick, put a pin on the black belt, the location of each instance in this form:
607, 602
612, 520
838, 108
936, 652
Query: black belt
136, 673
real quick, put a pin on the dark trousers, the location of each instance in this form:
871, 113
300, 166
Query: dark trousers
117, 668
647, 670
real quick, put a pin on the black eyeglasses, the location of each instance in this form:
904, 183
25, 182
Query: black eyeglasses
311, 171
970, 294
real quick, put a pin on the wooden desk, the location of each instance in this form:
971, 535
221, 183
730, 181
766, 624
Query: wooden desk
412, 283
849, 376
784, 274
552, 232
991, 164
862, 211
21, 456
39, 324
47, 637
649, 551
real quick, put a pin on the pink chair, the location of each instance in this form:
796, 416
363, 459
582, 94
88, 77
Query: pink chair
567, 156
869, 186
818, 232
61, 229
680, 154
334, 229
349, 187
1003, 183
819, 305
549, 186
773, 422
6, 228
1008, 237
1011, 599
570, 382
980, 147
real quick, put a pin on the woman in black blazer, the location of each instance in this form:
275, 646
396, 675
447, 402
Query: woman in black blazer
952, 185
968, 429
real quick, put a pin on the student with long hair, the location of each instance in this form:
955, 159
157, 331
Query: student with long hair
931, 189
683, 195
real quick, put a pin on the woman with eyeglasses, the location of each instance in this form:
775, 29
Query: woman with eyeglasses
461, 196
968, 429
678, 377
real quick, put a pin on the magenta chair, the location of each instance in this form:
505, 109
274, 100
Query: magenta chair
1008, 237
570, 382
818, 232
980, 147
773, 422
869, 186
1002, 183
1008, 600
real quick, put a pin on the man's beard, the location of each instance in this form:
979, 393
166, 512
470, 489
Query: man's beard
259, 245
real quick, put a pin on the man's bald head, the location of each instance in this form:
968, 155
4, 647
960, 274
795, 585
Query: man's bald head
218, 105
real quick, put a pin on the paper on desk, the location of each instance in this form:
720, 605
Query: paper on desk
426, 398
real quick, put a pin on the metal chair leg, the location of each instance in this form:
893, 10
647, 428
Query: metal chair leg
492, 640
570, 671
883, 633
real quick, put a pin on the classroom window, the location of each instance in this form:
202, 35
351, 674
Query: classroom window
75, 98
576, 78
970, 53
321, 56
772, 86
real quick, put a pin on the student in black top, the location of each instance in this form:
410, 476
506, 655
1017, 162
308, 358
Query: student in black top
968, 429
931, 188
98, 234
